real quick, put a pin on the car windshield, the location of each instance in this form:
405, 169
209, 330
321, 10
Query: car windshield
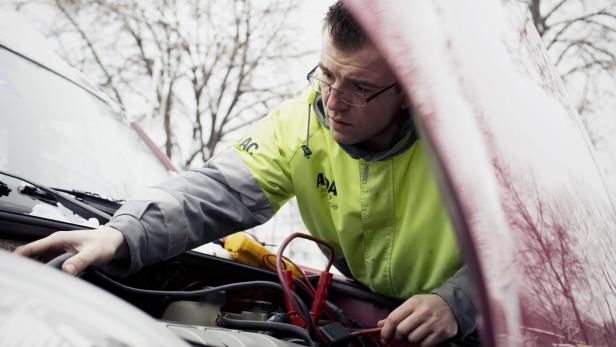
58, 134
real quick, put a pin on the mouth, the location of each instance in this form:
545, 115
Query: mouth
336, 122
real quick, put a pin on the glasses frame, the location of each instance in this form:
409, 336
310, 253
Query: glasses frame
366, 98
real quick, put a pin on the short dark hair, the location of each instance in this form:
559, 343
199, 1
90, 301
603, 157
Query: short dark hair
345, 32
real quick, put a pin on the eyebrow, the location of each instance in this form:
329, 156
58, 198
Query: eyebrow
362, 82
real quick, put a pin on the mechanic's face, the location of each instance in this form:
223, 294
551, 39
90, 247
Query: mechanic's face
374, 125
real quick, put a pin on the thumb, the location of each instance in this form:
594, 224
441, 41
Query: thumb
77, 263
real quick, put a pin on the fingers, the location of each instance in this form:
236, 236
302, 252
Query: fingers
412, 326
91, 247
395, 317
417, 334
79, 262
431, 340
51, 246
422, 320
46, 246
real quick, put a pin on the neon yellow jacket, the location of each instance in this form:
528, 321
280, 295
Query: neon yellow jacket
384, 216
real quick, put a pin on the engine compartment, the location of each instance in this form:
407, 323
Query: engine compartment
240, 308
250, 310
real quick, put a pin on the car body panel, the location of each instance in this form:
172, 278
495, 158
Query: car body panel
533, 215
41, 306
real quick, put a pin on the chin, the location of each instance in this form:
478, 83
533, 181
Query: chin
344, 139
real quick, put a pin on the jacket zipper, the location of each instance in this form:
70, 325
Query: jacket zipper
365, 174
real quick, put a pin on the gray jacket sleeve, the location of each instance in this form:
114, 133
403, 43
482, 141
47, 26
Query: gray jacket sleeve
458, 292
192, 208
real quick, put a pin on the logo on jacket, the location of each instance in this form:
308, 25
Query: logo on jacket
327, 189
249, 145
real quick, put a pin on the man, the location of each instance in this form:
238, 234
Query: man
348, 151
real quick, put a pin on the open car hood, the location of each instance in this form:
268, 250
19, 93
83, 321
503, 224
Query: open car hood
529, 204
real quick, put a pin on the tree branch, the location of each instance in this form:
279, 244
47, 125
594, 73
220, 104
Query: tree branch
92, 50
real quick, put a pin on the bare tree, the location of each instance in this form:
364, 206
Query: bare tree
580, 36
199, 69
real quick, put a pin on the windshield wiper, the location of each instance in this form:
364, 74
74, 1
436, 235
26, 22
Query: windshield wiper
78, 207
107, 205
4, 189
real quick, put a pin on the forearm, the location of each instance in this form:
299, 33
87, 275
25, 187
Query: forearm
190, 209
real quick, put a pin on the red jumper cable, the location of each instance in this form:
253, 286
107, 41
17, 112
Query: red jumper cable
319, 294
286, 279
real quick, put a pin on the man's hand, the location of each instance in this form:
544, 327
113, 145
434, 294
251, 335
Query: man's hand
423, 320
90, 248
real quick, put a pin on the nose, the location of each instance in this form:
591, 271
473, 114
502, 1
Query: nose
334, 102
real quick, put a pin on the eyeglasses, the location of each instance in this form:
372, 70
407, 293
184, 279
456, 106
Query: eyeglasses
353, 98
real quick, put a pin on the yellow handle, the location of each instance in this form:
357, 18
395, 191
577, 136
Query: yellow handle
245, 249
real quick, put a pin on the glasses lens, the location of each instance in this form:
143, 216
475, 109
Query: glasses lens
348, 97
353, 98
317, 84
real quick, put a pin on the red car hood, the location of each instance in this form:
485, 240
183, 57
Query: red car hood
531, 209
